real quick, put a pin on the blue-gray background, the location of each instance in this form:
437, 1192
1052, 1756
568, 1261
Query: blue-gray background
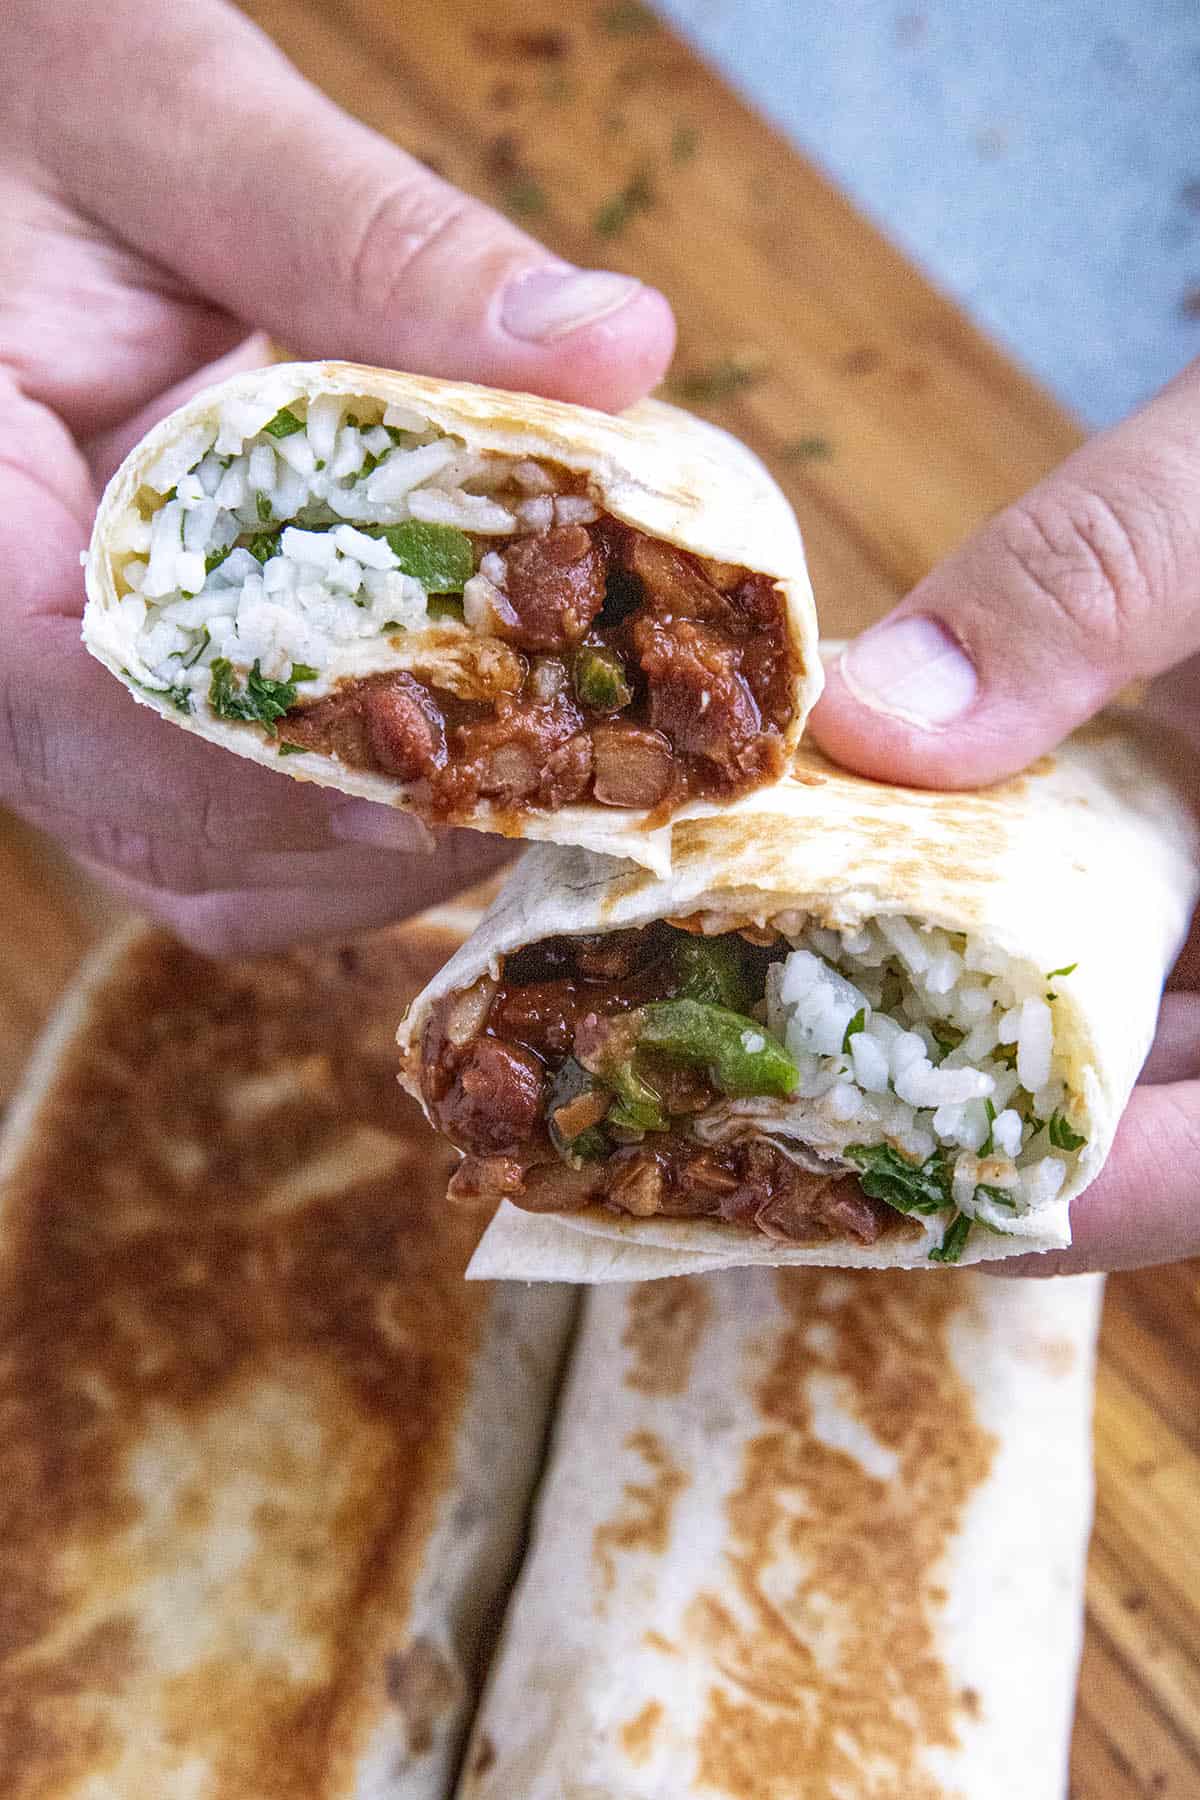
1039, 158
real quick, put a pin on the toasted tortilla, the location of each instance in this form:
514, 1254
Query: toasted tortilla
655, 467
1091, 858
809, 1536
265, 1457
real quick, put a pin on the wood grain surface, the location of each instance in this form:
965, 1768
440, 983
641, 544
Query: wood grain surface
895, 429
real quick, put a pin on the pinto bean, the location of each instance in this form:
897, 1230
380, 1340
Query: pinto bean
633, 765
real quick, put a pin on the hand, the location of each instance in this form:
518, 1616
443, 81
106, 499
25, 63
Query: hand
167, 180
1090, 581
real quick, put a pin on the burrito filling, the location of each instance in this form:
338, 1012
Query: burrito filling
345, 579
796, 1081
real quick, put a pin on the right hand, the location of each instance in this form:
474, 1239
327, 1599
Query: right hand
1089, 582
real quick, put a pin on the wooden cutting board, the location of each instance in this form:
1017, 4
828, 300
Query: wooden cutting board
895, 429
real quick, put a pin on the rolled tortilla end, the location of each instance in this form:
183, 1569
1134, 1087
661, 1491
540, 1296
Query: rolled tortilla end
488, 608
856, 1025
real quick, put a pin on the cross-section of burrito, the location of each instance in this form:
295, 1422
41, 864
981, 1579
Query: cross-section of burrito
264, 1455
858, 1024
805, 1537
491, 609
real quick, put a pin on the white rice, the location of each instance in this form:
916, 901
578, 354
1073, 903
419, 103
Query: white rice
332, 597
904, 1036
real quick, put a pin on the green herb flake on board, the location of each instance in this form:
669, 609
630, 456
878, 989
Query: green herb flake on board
714, 381
525, 199
856, 1025
627, 18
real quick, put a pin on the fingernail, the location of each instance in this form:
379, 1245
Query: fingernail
546, 304
913, 669
366, 822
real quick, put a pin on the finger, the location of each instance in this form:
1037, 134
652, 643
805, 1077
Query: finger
1144, 1206
306, 222
108, 449
1091, 580
1175, 1053
252, 922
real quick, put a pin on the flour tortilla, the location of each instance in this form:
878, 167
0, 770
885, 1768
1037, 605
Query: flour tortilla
656, 467
809, 1536
1089, 858
264, 1457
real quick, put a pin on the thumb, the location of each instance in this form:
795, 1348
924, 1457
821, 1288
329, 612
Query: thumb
222, 162
1091, 581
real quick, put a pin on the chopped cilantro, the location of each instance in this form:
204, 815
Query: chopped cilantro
215, 558
261, 701
440, 557
179, 697
954, 1240
394, 432
262, 506
284, 423
265, 545
198, 648
947, 1037
1006, 1054
685, 141
987, 1146
286, 749
715, 381
908, 1187
371, 463
1068, 969
320, 463
998, 1196
853, 1028
1062, 1135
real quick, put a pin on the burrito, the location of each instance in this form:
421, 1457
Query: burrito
806, 1536
490, 609
266, 1456
857, 1024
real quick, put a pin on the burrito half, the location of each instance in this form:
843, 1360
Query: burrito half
858, 1024
264, 1456
805, 1537
488, 608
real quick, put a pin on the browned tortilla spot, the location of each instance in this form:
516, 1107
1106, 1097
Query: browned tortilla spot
644, 1521
638, 1733
170, 1342
863, 1555
425, 1688
664, 1325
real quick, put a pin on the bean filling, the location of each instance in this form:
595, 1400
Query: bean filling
572, 1080
637, 676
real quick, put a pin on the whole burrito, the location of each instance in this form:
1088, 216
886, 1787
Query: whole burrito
804, 1536
265, 1456
487, 608
858, 1024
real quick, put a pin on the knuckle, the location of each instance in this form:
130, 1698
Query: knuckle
400, 231
1094, 559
